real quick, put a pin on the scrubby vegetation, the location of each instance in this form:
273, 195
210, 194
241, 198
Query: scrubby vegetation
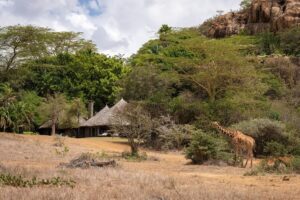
178, 82
19, 181
205, 147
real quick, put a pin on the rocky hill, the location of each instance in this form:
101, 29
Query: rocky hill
262, 15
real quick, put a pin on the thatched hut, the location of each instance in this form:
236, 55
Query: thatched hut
102, 121
45, 129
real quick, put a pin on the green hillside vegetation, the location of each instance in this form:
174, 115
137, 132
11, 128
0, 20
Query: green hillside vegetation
181, 74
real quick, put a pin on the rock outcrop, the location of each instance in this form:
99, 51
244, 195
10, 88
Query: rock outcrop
263, 15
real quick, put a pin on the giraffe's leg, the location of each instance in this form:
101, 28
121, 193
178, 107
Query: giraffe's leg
252, 156
236, 159
246, 162
241, 157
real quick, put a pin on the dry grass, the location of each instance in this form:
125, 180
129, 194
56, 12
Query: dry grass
169, 178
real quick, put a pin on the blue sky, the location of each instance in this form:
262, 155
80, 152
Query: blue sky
116, 26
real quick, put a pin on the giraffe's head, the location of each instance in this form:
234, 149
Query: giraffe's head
215, 123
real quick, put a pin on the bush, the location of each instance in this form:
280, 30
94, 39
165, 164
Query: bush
295, 165
59, 141
137, 157
29, 133
275, 149
166, 135
204, 147
19, 181
265, 132
269, 43
290, 41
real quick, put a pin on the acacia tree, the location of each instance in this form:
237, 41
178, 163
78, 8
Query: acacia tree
22, 43
222, 71
53, 109
135, 123
19, 43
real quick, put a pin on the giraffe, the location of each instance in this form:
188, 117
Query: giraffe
242, 143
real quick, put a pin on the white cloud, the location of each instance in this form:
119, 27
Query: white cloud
116, 26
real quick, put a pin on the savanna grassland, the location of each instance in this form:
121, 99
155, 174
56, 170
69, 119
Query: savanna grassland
168, 176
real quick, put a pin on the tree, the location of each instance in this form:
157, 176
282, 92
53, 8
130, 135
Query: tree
164, 29
53, 109
290, 41
245, 4
87, 74
222, 72
75, 111
19, 44
67, 43
135, 123
17, 110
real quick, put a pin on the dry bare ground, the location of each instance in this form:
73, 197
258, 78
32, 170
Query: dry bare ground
169, 178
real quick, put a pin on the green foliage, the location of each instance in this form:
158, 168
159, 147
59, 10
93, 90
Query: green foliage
166, 135
290, 41
29, 133
269, 43
19, 181
191, 77
204, 147
134, 157
245, 4
18, 111
62, 151
22, 43
86, 74
53, 109
275, 149
164, 29
295, 165
135, 123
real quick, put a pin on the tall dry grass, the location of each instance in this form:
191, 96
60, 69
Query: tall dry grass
127, 181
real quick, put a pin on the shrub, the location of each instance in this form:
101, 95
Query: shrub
59, 141
269, 43
265, 131
295, 165
62, 151
204, 147
275, 149
166, 135
19, 181
29, 133
137, 157
295, 150
290, 41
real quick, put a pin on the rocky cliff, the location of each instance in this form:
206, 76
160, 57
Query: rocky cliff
262, 15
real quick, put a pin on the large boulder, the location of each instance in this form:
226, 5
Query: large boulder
262, 15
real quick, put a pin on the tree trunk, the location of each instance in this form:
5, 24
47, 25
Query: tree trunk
133, 146
91, 108
53, 129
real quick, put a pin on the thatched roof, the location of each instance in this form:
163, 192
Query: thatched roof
105, 117
98, 119
48, 123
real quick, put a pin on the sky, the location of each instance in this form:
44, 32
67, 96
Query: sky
117, 27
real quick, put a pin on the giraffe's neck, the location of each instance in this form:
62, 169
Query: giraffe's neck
226, 131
